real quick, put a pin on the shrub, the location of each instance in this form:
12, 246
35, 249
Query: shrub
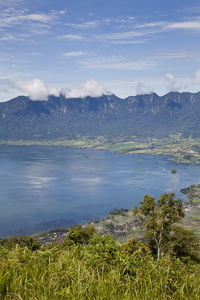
79, 236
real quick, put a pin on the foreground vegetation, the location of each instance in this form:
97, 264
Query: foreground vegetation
89, 266
99, 270
186, 150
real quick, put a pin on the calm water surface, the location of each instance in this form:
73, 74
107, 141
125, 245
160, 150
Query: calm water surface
46, 187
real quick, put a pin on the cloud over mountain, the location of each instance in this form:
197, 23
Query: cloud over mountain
36, 89
91, 88
173, 84
197, 77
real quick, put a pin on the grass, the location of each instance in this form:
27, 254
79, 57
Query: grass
76, 273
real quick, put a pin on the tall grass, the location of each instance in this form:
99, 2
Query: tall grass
99, 270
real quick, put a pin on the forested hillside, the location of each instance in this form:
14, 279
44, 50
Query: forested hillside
107, 116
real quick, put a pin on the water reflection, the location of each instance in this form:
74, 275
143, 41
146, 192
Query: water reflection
44, 186
40, 182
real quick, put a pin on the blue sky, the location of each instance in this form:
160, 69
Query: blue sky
83, 47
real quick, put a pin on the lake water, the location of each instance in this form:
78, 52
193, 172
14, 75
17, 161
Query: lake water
47, 187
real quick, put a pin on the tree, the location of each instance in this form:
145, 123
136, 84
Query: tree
157, 218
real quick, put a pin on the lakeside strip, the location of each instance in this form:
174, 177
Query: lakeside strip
184, 150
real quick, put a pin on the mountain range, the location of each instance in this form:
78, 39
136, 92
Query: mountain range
146, 115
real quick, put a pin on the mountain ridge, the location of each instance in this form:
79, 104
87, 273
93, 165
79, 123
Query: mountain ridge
148, 115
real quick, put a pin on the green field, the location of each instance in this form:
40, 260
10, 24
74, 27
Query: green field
181, 149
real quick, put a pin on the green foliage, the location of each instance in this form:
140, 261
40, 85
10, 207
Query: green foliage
120, 211
158, 218
101, 250
184, 244
97, 270
22, 241
147, 205
135, 211
79, 236
192, 192
132, 247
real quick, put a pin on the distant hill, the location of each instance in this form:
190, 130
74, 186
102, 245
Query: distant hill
109, 116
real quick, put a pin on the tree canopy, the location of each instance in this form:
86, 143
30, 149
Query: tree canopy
157, 217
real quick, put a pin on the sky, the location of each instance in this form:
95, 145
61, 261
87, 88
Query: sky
95, 47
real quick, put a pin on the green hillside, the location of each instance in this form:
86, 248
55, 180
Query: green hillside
107, 116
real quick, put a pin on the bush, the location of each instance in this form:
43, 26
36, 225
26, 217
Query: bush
101, 250
22, 241
79, 236
184, 243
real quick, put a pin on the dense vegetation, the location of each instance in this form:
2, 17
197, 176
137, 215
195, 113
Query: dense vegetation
107, 116
88, 266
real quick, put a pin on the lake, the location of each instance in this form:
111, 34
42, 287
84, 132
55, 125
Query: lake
47, 187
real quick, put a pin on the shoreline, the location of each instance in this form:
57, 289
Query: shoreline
181, 150
108, 224
121, 224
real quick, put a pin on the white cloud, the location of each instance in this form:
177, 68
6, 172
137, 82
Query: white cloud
131, 36
36, 89
44, 18
197, 77
126, 20
84, 25
5, 77
127, 42
11, 37
151, 25
74, 53
71, 37
115, 63
141, 88
36, 54
173, 85
8, 3
91, 88
95, 23
11, 17
16, 24
184, 25
123, 35
163, 26
107, 20
177, 55
8, 37
147, 30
